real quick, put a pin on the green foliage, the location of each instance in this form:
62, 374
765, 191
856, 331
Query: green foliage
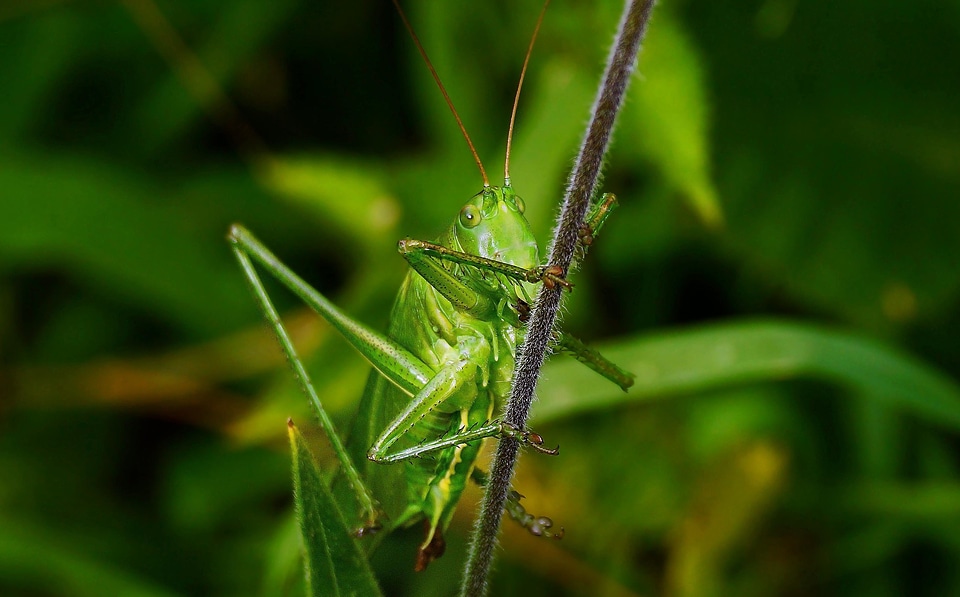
333, 562
714, 356
781, 275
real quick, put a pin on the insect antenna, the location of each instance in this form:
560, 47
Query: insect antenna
436, 77
516, 99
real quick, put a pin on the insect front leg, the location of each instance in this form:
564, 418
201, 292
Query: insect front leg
424, 258
422, 255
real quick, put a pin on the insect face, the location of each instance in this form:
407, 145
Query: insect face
492, 225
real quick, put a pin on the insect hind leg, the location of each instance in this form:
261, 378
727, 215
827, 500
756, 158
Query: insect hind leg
538, 526
246, 249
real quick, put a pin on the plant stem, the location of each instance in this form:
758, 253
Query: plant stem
580, 188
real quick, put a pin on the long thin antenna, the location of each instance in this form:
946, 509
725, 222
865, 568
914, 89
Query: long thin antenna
516, 99
436, 77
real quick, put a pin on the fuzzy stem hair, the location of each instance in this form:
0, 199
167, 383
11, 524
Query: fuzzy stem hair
581, 186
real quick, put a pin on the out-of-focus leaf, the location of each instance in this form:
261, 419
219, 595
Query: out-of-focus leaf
38, 52
718, 422
927, 501
32, 560
750, 352
100, 225
333, 561
546, 139
667, 119
207, 486
283, 565
192, 86
836, 154
865, 549
349, 195
728, 505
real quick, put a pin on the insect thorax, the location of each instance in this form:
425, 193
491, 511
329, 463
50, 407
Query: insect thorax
425, 323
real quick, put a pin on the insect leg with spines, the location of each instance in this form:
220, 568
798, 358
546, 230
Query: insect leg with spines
444, 367
430, 388
424, 257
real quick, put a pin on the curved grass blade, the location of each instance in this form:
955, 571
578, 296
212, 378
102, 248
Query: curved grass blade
333, 562
703, 359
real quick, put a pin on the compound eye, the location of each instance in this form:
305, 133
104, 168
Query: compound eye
521, 206
469, 216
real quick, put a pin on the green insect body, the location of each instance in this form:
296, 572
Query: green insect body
475, 346
444, 368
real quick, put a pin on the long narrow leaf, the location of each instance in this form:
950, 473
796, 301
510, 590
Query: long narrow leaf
333, 562
749, 352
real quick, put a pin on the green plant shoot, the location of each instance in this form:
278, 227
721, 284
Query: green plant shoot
443, 370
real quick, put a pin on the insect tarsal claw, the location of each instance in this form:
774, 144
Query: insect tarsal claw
366, 531
542, 450
586, 235
551, 276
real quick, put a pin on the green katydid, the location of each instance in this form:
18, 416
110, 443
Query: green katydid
442, 372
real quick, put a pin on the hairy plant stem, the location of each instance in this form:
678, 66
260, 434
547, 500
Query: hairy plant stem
580, 188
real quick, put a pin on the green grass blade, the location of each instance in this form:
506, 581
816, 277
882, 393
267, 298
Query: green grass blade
707, 358
333, 562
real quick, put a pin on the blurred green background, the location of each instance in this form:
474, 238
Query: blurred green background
783, 276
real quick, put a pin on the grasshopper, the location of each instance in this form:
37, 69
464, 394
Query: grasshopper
443, 369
